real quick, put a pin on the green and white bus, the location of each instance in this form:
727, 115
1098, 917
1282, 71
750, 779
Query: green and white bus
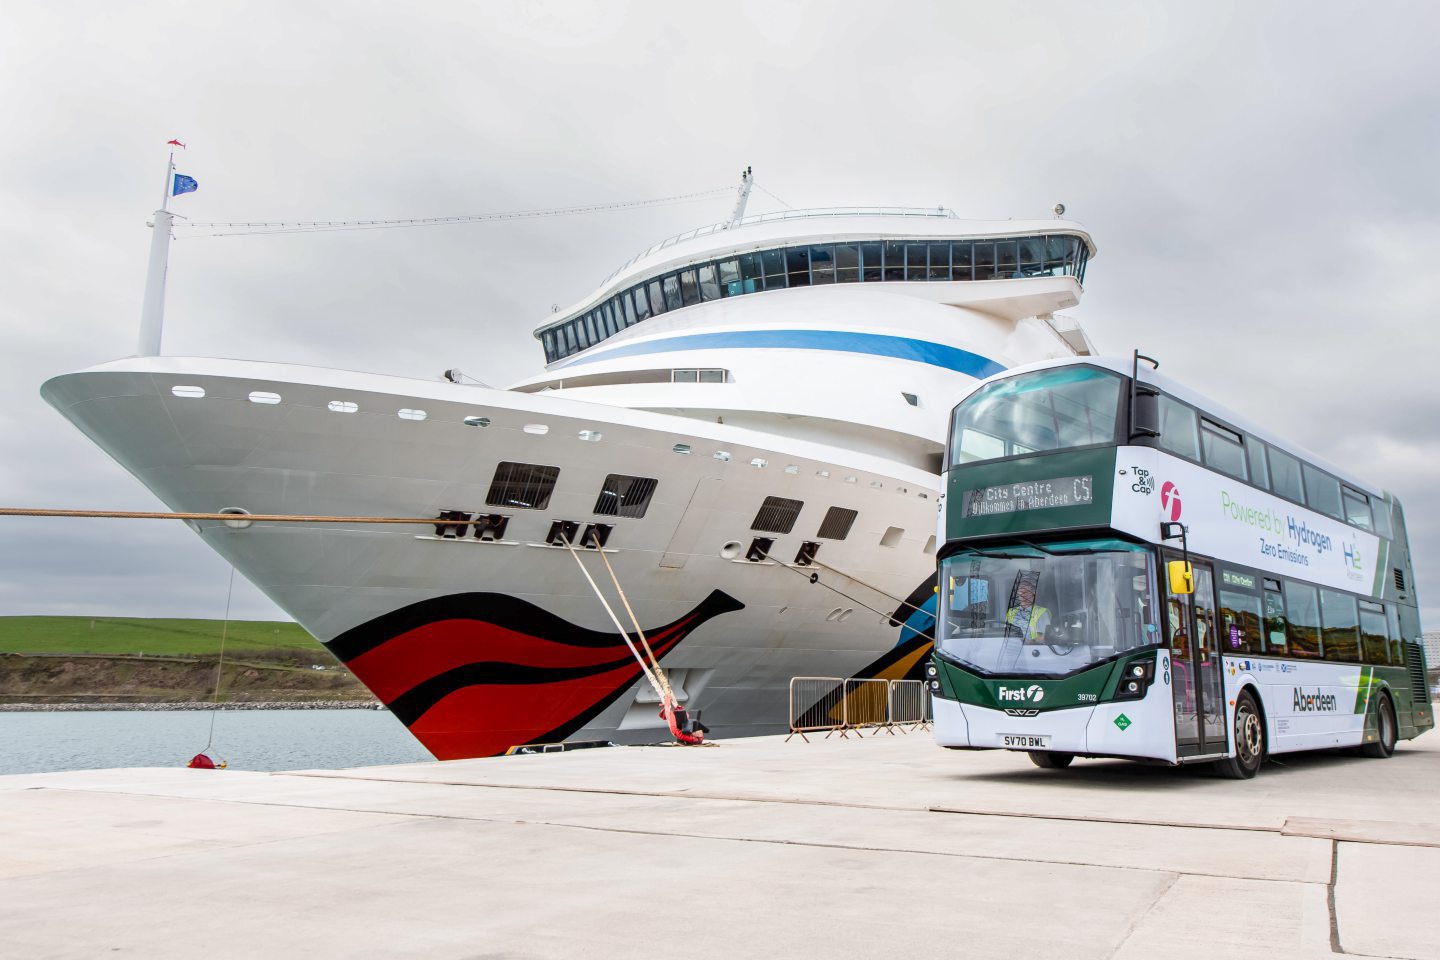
1130, 570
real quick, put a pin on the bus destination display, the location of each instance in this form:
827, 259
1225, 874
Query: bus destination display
1030, 495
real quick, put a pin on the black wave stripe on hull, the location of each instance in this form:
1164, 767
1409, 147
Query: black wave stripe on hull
501, 610
412, 704
916, 601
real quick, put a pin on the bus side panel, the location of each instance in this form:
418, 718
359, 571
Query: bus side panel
950, 727
1308, 706
1137, 728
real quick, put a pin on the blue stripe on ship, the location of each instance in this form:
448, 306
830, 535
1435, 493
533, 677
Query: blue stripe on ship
875, 344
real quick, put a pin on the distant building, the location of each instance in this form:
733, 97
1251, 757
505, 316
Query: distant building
1432, 650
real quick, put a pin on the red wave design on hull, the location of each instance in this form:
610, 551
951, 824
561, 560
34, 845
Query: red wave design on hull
473, 675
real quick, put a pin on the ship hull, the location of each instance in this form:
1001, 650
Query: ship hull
478, 644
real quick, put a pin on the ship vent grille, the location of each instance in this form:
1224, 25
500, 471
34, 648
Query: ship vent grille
524, 485
623, 496
777, 515
836, 526
1399, 579
1415, 665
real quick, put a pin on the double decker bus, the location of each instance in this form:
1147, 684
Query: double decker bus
1131, 570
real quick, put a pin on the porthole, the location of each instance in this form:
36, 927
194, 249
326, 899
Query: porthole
759, 463
681, 448
409, 413
264, 396
792, 469
342, 406
823, 474
181, 390
851, 479
477, 421
536, 429
591, 435
722, 455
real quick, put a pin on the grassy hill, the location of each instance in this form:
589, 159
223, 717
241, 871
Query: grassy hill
155, 637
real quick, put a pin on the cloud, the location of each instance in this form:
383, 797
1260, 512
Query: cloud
1258, 180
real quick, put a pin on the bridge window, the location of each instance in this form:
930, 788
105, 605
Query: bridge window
671, 286
689, 288
822, 264
847, 263
939, 262
894, 261
872, 262
730, 278
1032, 256
1322, 492
984, 260
1007, 259
915, 261
524, 485
797, 265
709, 283
657, 297
622, 496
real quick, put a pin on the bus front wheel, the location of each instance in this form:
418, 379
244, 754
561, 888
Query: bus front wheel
1051, 761
1244, 761
1384, 744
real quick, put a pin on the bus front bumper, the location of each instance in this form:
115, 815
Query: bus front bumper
1125, 729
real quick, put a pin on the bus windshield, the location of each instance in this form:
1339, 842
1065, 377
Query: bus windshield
1046, 610
1053, 409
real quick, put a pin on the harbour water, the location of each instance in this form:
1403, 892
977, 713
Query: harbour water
246, 739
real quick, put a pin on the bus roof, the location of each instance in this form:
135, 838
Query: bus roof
1124, 365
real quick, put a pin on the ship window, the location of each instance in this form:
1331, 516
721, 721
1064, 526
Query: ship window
689, 288
984, 260
915, 261
622, 496
774, 263
892, 537
642, 303
709, 284
847, 263
684, 376
548, 338
837, 523
671, 286
570, 338
960, 254
186, 390
342, 406
1006, 259
1322, 492
1285, 475
627, 303
752, 271
524, 485
1032, 256
264, 396
872, 257
777, 515
822, 264
894, 261
1057, 255
730, 278
712, 376
797, 265
939, 261
657, 297
410, 413
613, 314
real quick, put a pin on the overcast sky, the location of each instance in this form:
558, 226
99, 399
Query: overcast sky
1261, 181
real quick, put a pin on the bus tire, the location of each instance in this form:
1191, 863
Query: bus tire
1384, 746
1249, 752
1050, 761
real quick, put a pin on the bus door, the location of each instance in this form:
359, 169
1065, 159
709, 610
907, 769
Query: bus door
1191, 629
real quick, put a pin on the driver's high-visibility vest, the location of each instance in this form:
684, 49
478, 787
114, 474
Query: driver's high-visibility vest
1036, 613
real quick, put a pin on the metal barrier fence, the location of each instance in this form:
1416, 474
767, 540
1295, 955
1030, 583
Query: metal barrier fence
848, 704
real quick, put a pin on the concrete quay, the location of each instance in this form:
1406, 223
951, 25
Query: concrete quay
883, 847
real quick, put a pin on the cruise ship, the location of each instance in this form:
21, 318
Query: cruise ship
748, 419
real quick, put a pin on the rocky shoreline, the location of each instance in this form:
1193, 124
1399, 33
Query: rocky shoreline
193, 705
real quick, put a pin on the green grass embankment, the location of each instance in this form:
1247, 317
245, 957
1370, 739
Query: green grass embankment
145, 660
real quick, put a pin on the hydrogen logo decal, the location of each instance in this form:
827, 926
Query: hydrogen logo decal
1033, 693
1123, 722
1170, 500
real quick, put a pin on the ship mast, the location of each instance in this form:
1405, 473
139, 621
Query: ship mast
746, 179
152, 313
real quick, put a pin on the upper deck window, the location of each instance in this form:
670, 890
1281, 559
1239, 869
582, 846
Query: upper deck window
797, 266
1046, 410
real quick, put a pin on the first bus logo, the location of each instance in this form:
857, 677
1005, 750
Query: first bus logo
1170, 500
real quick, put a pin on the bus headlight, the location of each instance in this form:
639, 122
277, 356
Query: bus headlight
1135, 679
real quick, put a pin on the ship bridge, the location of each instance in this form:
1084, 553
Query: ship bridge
929, 253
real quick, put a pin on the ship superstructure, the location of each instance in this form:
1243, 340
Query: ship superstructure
725, 410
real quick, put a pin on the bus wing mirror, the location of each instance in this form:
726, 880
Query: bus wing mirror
1182, 578
1144, 413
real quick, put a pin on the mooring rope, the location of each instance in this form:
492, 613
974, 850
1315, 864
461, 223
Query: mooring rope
220, 664
654, 683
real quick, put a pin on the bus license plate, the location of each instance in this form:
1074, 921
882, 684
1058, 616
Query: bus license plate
1017, 741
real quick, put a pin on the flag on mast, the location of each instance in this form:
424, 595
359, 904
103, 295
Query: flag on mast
184, 184
175, 143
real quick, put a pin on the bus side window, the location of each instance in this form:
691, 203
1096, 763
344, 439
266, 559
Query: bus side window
1285, 475
1255, 453
1382, 519
1179, 430
1373, 635
1302, 609
1342, 626
1275, 633
1239, 622
1392, 620
1357, 508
